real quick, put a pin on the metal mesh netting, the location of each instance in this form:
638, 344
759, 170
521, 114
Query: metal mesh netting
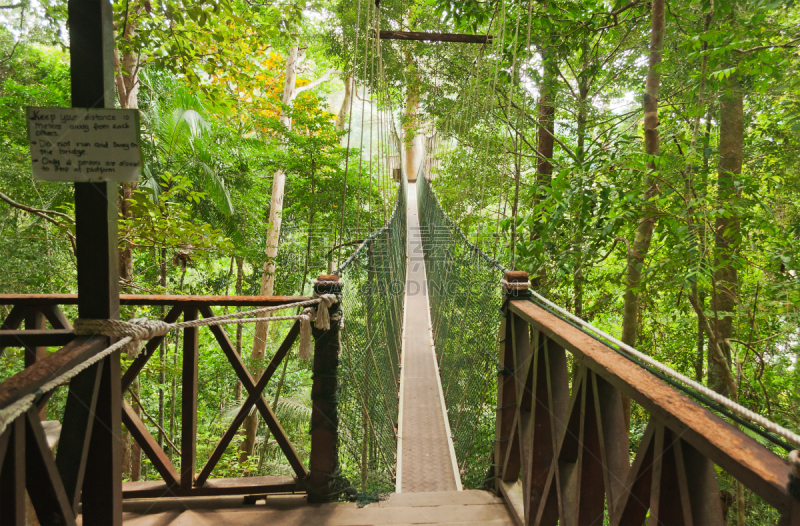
464, 294
369, 368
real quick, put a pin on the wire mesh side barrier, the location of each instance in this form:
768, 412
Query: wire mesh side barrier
463, 284
371, 340
464, 295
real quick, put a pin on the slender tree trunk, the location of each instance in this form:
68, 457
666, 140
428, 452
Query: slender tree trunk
545, 143
412, 138
162, 353
344, 111
175, 364
698, 227
583, 94
727, 235
239, 279
699, 357
547, 121
274, 233
644, 230
127, 81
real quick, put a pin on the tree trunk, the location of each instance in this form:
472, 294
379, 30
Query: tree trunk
644, 230
239, 278
547, 120
273, 235
583, 94
344, 111
545, 143
411, 136
127, 80
162, 353
727, 235
699, 357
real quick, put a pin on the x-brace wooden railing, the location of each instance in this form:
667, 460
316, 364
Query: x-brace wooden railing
561, 454
55, 486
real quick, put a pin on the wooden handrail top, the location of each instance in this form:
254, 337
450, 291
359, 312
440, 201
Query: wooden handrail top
30, 379
154, 299
758, 468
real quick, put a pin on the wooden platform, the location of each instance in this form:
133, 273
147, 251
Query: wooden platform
456, 507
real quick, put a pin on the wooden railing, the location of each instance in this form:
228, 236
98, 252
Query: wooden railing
562, 454
55, 485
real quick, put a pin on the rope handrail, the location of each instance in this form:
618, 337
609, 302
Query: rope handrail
486, 257
398, 203
135, 331
630, 353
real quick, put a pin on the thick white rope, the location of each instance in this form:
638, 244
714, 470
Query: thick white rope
135, 331
718, 398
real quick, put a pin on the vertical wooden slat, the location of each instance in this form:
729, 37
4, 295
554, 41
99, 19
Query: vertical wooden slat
569, 450
542, 444
189, 401
76, 431
35, 321
655, 477
634, 501
613, 439
506, 403
551, 503
681, 482
44, 484
12, 476
791, 517
703, 491
592, 485
102, 483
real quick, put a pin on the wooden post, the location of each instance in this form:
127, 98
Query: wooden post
92, 75
189, 402
324, 457
507, 463
35, 321
12, 474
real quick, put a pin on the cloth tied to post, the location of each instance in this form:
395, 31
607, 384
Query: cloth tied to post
321, 318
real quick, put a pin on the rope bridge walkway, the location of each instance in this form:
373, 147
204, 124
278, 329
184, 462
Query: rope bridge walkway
435, 369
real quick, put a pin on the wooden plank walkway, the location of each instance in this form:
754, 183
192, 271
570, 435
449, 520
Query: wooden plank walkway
456, 507
426, 461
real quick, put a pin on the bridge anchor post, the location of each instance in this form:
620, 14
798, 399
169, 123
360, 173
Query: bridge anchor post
323, 482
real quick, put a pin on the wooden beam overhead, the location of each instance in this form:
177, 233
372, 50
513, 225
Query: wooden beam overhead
436, 37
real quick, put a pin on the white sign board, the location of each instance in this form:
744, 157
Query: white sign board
84, 145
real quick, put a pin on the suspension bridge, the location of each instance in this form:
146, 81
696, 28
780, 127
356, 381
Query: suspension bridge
444, 390
440, 381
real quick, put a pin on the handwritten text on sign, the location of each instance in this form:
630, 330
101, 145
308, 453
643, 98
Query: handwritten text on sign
77, 144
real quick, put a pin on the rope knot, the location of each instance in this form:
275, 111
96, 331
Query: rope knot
137, 329
323, 320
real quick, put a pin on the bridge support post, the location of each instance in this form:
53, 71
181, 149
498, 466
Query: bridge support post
323, 464
505, 428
